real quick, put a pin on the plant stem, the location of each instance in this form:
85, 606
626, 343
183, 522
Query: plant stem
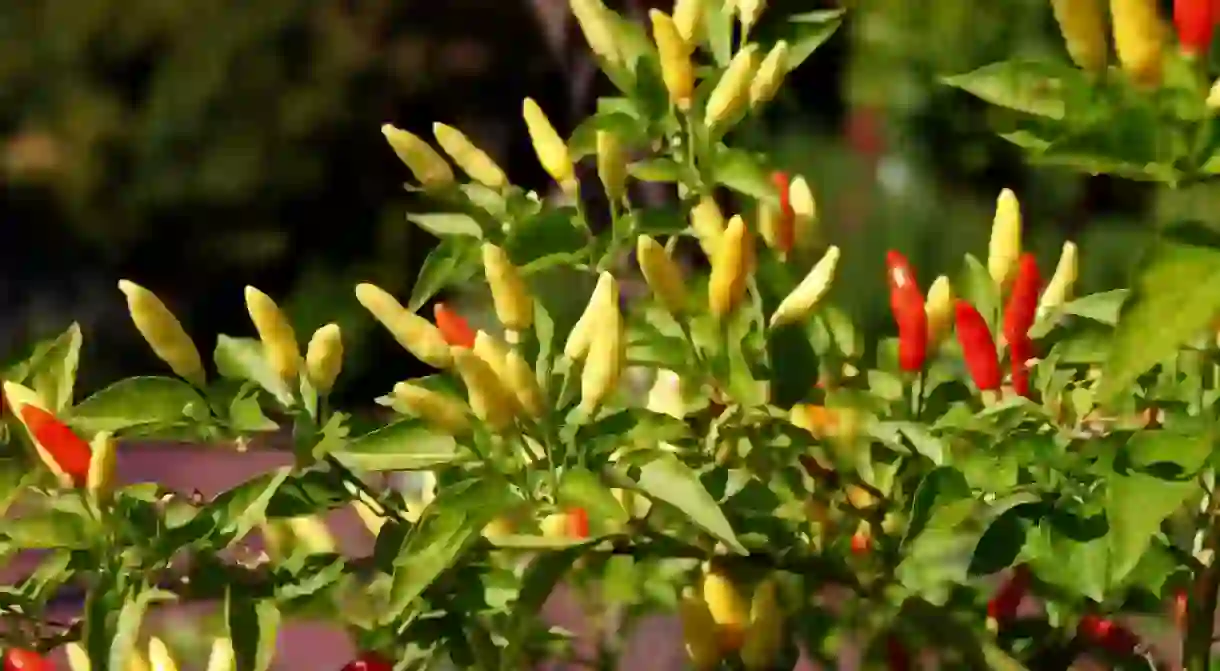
1201, 617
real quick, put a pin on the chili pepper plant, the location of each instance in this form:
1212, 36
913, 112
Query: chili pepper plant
1012, 477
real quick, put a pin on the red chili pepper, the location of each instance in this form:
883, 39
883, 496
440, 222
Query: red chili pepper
70, 452
1180, 609
453, 327
1020, 352
1106, 633
1196, 22
785, 228
1003, 606
1022, 305
978, 347
369, 661
16, 659
907, 304
578, 523
896, 655
861, 543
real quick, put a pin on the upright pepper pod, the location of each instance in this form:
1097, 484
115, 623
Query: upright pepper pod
939, 310
978, 347
604, 365
611, 165
699, 632
324, 358
804, 213
472, 160
731, 265
910, 314
605, 293
805, 297
765, 635
594, 20
416, 334
707, 221
688, 18
1022, 305
729, 611
65, 453
771, 73
311, 534
1083, 25
1196, 23
159, 655
429, 168
749, 11
677, 72
163, 333
279, 339
453, 327
490, 400
1005, 246
1059, 289
222, 657
1139, 37
551, 149
513, 304
513, 371
662, 275
99, 481
733, 90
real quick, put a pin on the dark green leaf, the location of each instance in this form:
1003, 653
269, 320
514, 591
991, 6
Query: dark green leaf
1033, 87
135, 401
51, 370
454, 260
253, 627
668, 480
808, 31
127, 629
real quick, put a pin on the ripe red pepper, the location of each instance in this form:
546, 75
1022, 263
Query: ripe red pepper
978, 347
1022, 305
453, 327
1180, 609
907, 304
861, 543
578, 523
785, 228
1003, 606
896, 655
369, 661
16, 659
70, 452
1105, 633
1019, 352
1196, 23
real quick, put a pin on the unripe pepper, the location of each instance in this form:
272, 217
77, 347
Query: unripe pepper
731, 265
907, 306
472, 160
453, 327
324, 358
1196, 23
416, 334
435, 408
939, 309
771, 73
551, 149
978, 347
662, 275
611, 165
594, 20
605, 293
490, 400
805, 297
729, 611
66, 453
733, 90
804, 213
707, 221
1005, 246
159, 656
1083, 25
222, 656
312, 534
699, 632
279, 339
604, 365
514, 372
513, 304
1059, 289
163, 333
1139, 38
749, 12
765, 635
688, 18
432, 171
674, 52
99, 480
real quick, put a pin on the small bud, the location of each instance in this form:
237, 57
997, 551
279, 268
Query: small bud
611, 165
674, 52
770, 75
100, 480
490, 400
440, 410
416, 334
324, 358
1059, 290
805, 297
551, 149
429, 168
279, 339
472, 160
163, 332
731, 267
513, 304
605, 293
733, 89
662, 275
1005, 246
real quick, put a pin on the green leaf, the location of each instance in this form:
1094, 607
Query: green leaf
127, 630
581, 488
1033, 87
45, 530
133, 402
541, 575
246, 415
244, 507
454, 260
405, 445
1101, 307
1072, 553
242, 359
1176, 297
253, 625
656, 170
808, 31
975, 285
554, 231
51, 369
742, 172
446, 224
668, 480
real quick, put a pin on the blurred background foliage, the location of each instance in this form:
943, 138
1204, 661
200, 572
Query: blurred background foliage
198, 147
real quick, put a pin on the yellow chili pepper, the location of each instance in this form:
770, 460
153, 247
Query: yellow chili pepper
1139, 39
440, 410
490, 400
1005, 247
665, 396
499, 527
939, 309
699, 633
688, 18
100, 480
731, 265
1059, 289
707, 222
733, 89
312, 534
749, 11
513, 371
729, 611
554, 525
417, 335
222, 657
606, 292
1213, 97
551, 149
594, 20
163, 332
677, 72
78, 659
805, 297
765, 635
1083, 24
472, 160
770, 75
324, 358
279, 339
513, 304
804, 213
604, 365
611, 165
661, 274
158, 654
429, 167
